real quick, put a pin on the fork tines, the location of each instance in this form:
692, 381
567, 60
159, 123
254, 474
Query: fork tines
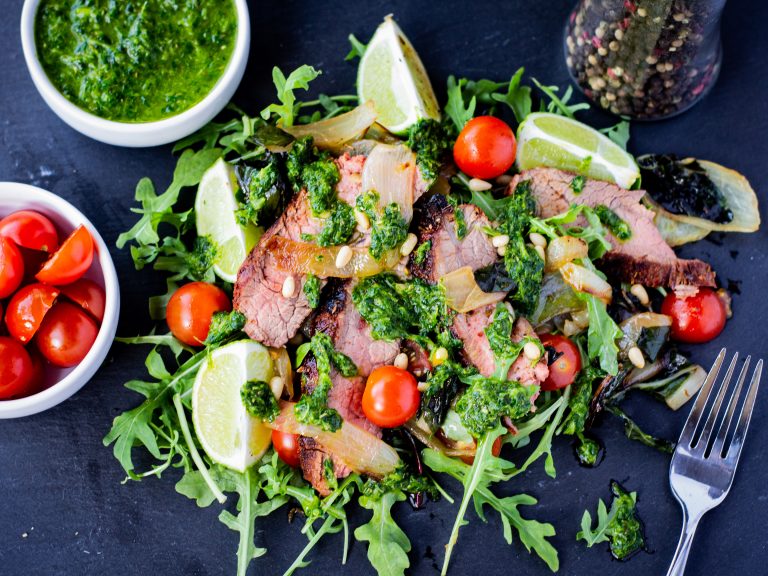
698, 439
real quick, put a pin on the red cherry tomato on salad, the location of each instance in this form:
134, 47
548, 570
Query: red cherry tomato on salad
191, 308
88, 295
69, 262
16, 369
391, 397
30, 229
495, 450
11, 267
287, 447
66, 335
563, 371
485, 148
695, 319
27, 309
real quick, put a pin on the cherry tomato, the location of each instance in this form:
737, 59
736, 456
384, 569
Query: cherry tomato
33, 262
88, 295
563, 371
391, 397
495, 450
485, 148
66, 335
695, 319
11, 267
69, 262
30, 229
16, 369
287, 447
27, 309
191, 308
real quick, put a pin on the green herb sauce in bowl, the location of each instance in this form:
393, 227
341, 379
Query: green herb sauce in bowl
135, 61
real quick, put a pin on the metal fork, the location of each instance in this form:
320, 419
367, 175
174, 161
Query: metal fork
702, 469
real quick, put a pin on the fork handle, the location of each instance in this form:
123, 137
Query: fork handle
690, 523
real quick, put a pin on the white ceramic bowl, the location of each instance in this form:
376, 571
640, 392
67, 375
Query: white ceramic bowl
61, 383
146, 133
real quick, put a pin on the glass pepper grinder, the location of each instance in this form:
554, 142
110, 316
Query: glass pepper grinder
646, 59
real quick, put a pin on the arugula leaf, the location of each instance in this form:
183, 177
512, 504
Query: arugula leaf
602, 335
634, 432
545, 444
618, 133
357, 50
388, 545
299, 78
455, 108
494, 208
518, 97
559, 104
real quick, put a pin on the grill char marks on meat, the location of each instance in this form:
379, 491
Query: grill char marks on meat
338, 317
470, 329
436, 223
645, 258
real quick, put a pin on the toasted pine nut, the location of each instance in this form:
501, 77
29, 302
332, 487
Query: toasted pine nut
409, 244
501, 250
500, 240
531, 351
343, 256
276, 384
422, 386
540, 252
363, 222
439, 356
289, 287
635, 356
537, 239
504, 179
478, 185
639, 292
401, 361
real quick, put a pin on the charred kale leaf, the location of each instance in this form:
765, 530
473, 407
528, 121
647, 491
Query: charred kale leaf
262, 192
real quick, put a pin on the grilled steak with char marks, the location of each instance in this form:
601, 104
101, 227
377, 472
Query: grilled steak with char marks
645, 258
436, 223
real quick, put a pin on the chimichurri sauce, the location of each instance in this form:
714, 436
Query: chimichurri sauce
135, 61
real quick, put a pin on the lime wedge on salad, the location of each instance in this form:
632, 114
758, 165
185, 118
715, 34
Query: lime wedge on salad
215, 207
392, 76
545, 139
228, 434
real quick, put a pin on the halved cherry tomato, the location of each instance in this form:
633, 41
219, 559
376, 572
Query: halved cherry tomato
495, 450
16, 369
88, 295
66, 335
563, 371
485, 148
287, 447
391, 397
695, 319
30, 229
33, 262
11, 267
27, 309
71, 261
191, 308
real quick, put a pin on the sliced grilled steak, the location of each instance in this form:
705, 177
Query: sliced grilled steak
436, 223
312, 458
470, 329
644, 258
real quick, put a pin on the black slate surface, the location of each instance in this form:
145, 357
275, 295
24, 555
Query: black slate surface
63, 509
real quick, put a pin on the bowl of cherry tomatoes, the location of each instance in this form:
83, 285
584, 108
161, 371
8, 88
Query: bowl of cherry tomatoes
59, 300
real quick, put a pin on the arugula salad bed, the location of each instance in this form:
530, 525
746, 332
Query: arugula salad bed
468, 422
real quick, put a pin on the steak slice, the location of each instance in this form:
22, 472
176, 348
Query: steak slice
470, 329
645, 258
436, 223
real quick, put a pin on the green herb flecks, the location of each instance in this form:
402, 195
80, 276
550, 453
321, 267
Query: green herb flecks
224, 325
339, 227
578, 405
620, 526
421, 252
618, 227
312, 290
486, 400
259, 401
261, 193
577, 184
388, 228
431, 141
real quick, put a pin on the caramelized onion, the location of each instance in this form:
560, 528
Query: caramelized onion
334, 133
565, 249
584, 280
283, 368
356, 448
462, 293
390, 170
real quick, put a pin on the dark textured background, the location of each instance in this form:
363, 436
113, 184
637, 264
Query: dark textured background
62, 488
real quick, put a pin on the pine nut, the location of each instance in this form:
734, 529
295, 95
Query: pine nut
343, 256
500, 240
409, 244
504, 179
401, 361
635, 356
477, 185
531, 351
422, 386
289, 287
363, 222
439, 356
537, 239
541, 253
276, 384
639, 292
501, 250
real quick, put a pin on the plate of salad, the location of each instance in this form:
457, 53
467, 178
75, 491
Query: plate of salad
379, 300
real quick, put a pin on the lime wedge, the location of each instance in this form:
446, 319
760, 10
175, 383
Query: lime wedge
215, 207
545, 139
228, 434
392, 76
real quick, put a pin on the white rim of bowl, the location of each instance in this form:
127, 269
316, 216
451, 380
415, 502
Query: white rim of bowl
83, 372
83, 117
